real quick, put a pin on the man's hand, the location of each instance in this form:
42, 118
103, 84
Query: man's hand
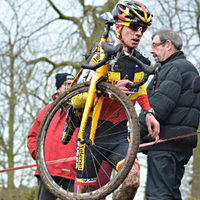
152, 122
121, 85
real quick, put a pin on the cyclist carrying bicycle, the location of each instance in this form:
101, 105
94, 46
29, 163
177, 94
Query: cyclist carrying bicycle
132, 20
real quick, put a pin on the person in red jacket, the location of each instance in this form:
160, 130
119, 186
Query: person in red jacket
66, 174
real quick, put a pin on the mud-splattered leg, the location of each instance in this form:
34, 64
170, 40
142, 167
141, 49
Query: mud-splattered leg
130, 185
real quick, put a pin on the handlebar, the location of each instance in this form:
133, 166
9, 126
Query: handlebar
110, 50
148, 70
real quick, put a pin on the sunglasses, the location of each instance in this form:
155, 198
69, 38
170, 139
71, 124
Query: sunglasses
135, 26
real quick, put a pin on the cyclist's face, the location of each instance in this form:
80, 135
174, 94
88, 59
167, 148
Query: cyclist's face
66, 85
130, 37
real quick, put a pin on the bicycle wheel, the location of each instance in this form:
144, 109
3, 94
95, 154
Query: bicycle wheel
46, 147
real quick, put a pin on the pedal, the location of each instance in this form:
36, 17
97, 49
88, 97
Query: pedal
72, 121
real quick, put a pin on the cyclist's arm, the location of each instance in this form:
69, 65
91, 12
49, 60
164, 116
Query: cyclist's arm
150, 119
152, 122
142, 98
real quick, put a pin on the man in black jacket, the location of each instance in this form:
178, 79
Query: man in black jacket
177, 110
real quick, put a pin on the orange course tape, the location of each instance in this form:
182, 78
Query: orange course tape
48, 162
157, 140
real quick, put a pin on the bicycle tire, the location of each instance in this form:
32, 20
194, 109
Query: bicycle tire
115, 94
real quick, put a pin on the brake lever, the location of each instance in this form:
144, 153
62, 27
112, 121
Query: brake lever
157, 67
114, 61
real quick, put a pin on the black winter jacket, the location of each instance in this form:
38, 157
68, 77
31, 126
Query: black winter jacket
175, 105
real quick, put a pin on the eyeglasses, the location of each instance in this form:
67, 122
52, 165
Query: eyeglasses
154, 45
135, 26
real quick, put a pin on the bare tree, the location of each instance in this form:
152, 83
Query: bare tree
40, 38
183, 17
18, 31
81, 28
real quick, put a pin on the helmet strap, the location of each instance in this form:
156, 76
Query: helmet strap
120, 38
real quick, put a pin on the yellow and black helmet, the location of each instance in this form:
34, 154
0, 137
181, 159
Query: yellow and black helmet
132, 11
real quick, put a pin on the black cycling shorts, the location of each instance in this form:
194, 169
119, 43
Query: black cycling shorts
108, 139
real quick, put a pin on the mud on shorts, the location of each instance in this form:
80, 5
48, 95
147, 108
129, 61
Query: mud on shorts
105, 144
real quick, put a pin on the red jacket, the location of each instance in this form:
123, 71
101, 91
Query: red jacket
66, 170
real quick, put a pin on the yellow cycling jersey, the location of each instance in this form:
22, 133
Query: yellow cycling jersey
114, 77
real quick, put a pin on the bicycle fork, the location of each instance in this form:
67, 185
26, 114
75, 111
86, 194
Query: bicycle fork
98, 102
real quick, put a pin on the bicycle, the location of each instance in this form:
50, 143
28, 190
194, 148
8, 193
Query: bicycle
87, 98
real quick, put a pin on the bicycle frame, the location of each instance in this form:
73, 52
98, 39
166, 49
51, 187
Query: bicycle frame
100, 72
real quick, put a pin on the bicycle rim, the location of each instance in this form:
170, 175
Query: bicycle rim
50, 161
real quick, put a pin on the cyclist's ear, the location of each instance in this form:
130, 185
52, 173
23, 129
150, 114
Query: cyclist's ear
118, 27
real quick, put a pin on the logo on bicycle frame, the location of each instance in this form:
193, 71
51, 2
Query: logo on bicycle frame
80, 156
